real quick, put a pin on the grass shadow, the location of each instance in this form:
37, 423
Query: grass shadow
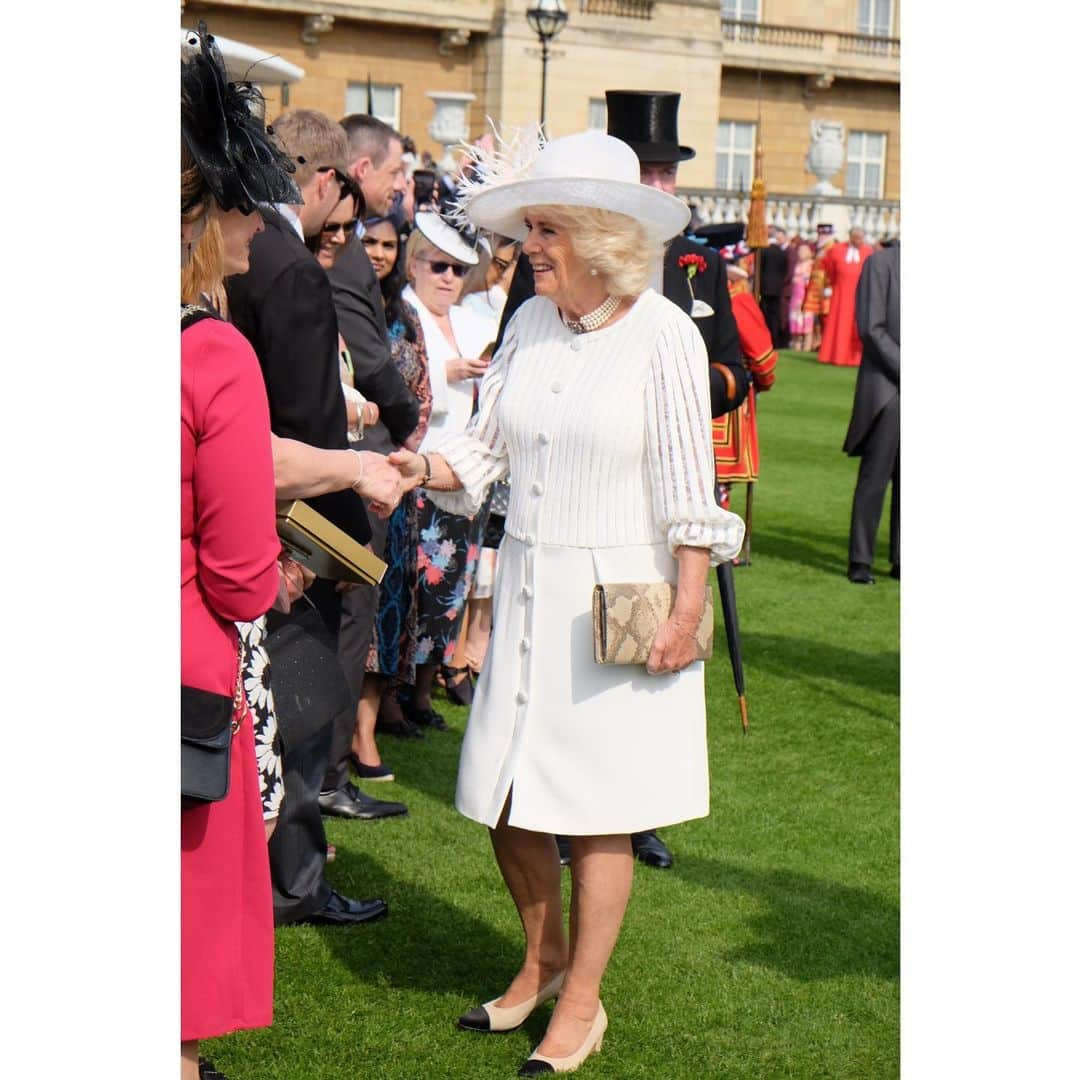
427, 943
804, 657
806, 549
809, 929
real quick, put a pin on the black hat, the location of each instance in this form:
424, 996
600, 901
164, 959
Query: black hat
223, 126
648, 120
721, 236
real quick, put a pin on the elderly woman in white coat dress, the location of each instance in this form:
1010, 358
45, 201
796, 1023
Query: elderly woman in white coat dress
597, 403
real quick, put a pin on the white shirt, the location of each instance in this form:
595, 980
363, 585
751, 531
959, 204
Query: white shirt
613, 428
451, 402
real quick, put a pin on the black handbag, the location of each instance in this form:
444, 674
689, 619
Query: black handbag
208, 722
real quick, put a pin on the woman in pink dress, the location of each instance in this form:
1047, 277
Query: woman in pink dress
228, 558
801, 323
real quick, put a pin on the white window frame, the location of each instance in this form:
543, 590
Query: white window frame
596, 105
739, 10
728, 183
861, 161
356, 101
878, 21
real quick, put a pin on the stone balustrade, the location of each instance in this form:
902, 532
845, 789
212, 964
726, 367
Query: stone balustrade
623, 9
810, 51
799, 214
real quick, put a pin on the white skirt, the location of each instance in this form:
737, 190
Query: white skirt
588, 750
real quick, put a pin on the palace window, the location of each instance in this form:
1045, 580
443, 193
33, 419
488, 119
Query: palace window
597, 114
741, 10
875, 18
735, 155
385, 102
865, 176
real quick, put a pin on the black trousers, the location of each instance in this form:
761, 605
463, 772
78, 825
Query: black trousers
774, 319
358, 610
298, 846
880, 463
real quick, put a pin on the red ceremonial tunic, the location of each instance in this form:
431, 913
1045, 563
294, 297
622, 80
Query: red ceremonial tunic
840, 342
735, 441
228, 572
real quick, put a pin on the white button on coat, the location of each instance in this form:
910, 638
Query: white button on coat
629, 477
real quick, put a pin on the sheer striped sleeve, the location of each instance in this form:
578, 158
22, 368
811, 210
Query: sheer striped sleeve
479, 454
682, 472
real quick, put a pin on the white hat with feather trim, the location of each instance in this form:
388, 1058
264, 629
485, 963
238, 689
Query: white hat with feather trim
587, 169
446, 238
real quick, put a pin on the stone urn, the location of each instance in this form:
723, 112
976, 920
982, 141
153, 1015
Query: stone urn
450, 125
825, 157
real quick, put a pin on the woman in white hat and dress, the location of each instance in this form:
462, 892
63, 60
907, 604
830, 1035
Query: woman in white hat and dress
597, 402
437, 259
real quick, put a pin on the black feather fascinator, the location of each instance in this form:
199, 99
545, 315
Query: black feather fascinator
224, 126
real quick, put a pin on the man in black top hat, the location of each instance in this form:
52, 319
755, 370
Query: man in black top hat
647, 121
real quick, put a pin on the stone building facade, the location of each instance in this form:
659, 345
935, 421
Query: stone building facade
749, 71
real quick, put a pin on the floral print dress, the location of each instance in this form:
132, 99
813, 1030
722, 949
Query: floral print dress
392, 652
260, 699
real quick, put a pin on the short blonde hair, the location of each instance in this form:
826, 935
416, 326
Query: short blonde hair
416, 247
614, 245
312, 140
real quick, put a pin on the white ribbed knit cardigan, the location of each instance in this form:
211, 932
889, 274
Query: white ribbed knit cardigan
607, 435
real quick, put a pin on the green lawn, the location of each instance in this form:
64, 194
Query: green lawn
771, 950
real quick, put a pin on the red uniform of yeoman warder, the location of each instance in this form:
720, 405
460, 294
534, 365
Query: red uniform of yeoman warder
843, 263
735, 441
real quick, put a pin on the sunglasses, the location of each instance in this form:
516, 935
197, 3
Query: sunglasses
349, 226
440, 267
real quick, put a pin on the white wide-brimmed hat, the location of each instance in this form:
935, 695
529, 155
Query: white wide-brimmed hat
446, 238
588, 169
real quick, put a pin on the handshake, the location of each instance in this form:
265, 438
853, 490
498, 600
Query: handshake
384, 480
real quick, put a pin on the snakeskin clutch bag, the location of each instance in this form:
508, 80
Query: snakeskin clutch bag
627, 618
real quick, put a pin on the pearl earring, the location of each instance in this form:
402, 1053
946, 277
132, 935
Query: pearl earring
593, 271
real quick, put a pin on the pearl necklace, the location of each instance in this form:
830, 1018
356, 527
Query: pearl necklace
594, 319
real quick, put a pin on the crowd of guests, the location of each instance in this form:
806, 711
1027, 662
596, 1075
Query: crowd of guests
340, 318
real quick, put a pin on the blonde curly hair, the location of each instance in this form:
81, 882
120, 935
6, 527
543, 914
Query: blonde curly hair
614, 245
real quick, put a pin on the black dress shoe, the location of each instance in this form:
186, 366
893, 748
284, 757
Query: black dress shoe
651, 850
208, 1072
350, 802
859, 574
895, 571
341, 911
564, 850
425, 717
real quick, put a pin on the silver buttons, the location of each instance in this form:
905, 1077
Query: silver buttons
537, 488
522, 697
543, 438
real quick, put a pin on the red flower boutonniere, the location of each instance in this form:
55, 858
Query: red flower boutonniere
695, 264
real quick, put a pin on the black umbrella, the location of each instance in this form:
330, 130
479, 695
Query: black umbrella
726, 580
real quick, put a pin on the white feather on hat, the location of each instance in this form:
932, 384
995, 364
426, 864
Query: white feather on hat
587, 169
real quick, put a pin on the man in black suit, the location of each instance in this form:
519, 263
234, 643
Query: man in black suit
374, 161
874, 432
774, 272
283, 306
647, 121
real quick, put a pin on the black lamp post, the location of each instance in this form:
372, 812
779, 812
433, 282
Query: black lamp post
546, 19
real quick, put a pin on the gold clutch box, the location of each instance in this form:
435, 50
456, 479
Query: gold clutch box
323, 548
627, 618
